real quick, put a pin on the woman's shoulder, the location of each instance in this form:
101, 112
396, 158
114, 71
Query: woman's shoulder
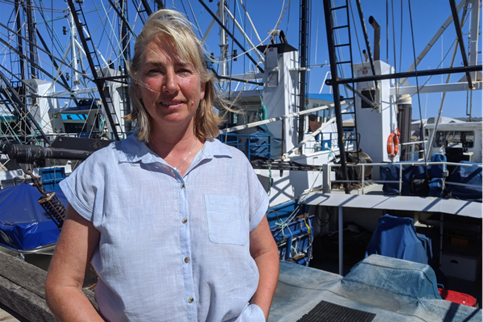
103, 154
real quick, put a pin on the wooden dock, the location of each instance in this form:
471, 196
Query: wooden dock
22, 291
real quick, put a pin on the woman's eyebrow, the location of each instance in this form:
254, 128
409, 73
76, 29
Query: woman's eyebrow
162, 65
155, 64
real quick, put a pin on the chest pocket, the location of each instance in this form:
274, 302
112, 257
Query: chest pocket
226, 222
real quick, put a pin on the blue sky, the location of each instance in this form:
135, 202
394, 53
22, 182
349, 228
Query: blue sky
427, 18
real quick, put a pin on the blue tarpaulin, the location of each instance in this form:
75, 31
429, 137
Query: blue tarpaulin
437, 170
396, 237
24, 224
466, 175
409, 172
389, 288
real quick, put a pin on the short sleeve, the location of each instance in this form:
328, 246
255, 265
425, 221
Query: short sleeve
84, 187
258, 198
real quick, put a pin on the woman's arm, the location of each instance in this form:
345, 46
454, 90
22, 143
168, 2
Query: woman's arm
264, 250
73, 253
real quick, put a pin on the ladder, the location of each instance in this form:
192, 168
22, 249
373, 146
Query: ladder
96, 68
343, 47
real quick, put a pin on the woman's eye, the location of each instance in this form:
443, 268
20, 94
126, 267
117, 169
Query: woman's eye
155, 71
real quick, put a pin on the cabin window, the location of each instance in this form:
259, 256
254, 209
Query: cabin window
451, 138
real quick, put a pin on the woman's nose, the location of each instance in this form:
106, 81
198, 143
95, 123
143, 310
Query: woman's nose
170, 83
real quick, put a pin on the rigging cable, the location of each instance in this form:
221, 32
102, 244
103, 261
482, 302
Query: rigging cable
359, 47
259, 61
395, 61
421, 134
32, 6
387, 31
401, 43
114, 47
194, 17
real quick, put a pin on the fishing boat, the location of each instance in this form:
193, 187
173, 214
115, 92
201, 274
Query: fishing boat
338, 166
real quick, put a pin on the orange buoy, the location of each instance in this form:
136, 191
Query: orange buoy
393, 145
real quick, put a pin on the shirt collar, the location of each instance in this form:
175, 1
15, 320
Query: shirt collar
131, 150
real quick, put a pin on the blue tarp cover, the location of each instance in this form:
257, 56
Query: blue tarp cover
392, 289
409, 172
468, 175
396, 237
24, 224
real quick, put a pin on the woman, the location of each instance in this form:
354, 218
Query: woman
172, 219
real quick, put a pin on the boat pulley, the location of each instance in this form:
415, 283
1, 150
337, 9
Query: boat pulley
49, 201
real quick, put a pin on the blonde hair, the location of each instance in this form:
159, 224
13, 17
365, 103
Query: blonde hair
172, 24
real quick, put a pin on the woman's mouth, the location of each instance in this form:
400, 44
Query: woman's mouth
172, 104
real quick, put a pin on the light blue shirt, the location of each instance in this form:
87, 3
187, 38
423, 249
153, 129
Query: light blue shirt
171, 248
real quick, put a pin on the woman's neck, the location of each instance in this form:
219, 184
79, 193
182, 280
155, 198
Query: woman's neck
177, 149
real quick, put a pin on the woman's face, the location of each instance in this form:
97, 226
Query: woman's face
169, 87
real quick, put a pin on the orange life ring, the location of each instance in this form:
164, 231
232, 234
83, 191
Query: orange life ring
393, 145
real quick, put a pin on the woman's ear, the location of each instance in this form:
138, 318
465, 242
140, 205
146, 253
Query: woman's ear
202, 94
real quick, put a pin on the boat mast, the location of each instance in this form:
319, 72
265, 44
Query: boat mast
19, 37
73, 45
223, 44
125, 56
303, 46
31, 39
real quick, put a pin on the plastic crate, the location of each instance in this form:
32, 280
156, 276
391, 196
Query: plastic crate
51, 177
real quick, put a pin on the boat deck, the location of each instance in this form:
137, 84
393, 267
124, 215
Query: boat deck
373, 198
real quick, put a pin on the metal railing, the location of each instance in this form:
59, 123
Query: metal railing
414, 154
327, 170
321, 143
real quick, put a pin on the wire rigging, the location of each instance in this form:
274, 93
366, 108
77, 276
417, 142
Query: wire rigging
422, 135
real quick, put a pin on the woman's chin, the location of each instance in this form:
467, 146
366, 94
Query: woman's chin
173, 119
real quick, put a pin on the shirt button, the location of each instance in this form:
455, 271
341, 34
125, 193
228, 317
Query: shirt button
184, 221
187, 260
190, 300
182, 186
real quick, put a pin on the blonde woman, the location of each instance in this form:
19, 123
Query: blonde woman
172, 219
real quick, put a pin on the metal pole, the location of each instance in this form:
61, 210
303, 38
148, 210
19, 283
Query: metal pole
457, 26
304, 20
341, 241
31, 36
126, 55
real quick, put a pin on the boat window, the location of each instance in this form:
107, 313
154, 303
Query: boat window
451, 138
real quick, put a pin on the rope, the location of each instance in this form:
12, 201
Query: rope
270, 179
282, 226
